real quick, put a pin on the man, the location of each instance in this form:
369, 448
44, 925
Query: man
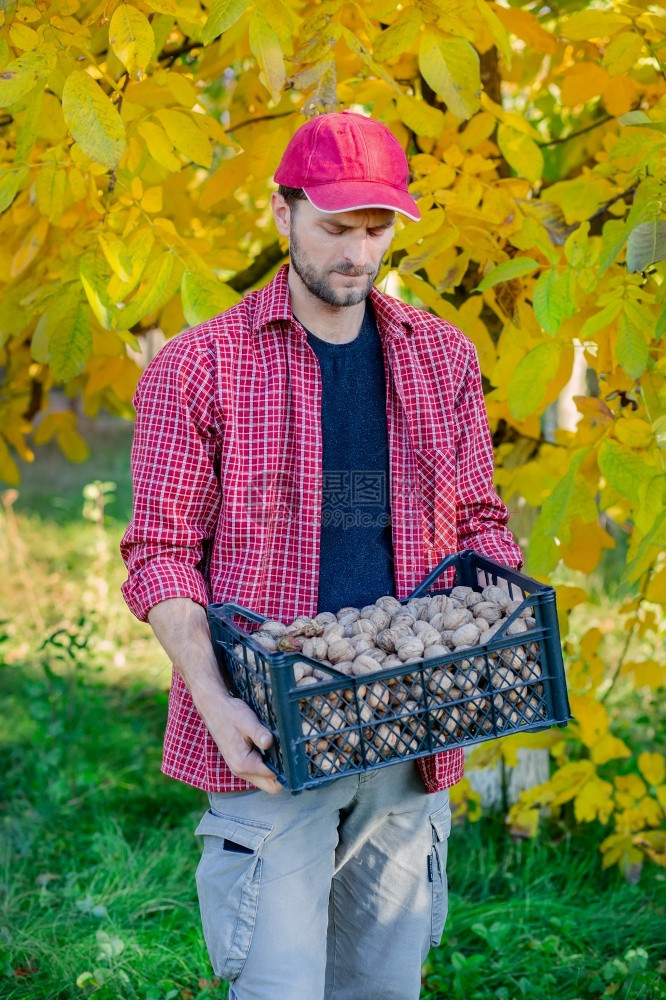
250, 429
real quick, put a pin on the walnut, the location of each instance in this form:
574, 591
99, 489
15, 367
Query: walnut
386, 639
365, 627
440, 682
364, 665
453, 618
325, 618
473, 599
496, 595
276, 629
377, 654
491, 612
360, 643
403, 617
392, 660
266, 640
340, 649
344, 666
346, 616
409, 646
316, 648
466, 635
333, 631
389, 604
377, 697
461, 593
517, 626
435, 649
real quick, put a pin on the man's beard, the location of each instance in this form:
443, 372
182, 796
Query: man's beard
317, 282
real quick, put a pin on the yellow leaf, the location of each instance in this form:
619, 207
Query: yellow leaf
152, 200
159, 145
628, 790
656, 590
30, 246
584, 549
94, 278
520, 152
9, 471
398, 37
93, 120
591, 716
23, 37
609, 747
634, 432
150, 293
223, 14
205, 297
510, 118
653, 842
530, 380
412, 232
653, 767
594, 801
265, 47
622, 53
131, 38
115, 251
581, 197
524, 25
21, 75
182, 88
50, 188
587, 24
186, 136
620, 95
451, 67
479, 128
420, 117
582, 82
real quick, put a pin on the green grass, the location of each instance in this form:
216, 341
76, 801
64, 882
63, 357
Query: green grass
97, 853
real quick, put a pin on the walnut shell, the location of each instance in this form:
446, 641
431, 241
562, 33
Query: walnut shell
364, 665
517, 626
377, 654
453, 618
333, 631
435, 649
386, 639
490, 612
409, 646
496, 595
274, 628
466, 635
392, 660
473, 599
348, 615
340, 649
365, 627
378, 697
325, 618
360, 643
427, 634
388, 603
317, 648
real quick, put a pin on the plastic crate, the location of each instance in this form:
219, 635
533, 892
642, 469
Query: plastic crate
344, 725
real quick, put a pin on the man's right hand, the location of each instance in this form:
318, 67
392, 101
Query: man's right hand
181, 627
238, 733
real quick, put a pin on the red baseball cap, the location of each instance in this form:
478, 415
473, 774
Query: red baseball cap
344, 161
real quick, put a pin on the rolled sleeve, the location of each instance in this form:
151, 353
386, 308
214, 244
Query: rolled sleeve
176, 493
481, 515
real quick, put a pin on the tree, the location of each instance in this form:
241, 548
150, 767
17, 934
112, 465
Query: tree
139, 140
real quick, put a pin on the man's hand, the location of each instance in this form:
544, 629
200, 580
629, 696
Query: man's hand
181, 627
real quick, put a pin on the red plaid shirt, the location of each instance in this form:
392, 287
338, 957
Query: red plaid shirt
228, 438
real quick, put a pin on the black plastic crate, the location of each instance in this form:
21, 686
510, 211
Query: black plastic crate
345, 724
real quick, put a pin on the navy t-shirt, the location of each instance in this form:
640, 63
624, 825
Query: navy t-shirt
356, 562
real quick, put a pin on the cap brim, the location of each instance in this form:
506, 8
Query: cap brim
349, 196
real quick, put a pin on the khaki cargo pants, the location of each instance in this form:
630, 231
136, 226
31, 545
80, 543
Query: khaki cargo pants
334, 894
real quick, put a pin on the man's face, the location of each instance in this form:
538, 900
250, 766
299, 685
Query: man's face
337, 256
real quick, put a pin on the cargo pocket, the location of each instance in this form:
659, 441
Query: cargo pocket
440, 824
228, 879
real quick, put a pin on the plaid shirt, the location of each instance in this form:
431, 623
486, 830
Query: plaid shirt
226, 466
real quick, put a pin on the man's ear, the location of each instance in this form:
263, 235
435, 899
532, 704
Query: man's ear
281, 213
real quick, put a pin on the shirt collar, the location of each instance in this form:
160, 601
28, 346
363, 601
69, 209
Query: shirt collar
274, 305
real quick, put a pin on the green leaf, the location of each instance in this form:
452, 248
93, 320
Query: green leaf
552, 299
21, 75
265, 47
399, 37
660, 328
625, 470
556, 507
451, 67
92, 119
204, 297
149, 294
631, 349
70, 344
640, 118
531, 378
11, 179
223, 13
95, 276
646, 245
507, 271
600, 320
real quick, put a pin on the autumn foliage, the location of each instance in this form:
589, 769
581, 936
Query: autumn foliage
138, 141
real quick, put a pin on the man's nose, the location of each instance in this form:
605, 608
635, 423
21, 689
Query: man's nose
357, 249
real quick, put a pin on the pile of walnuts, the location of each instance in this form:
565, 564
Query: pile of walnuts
390, 713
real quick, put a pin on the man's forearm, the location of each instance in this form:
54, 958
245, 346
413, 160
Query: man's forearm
181, 627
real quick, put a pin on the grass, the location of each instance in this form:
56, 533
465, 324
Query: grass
97, 854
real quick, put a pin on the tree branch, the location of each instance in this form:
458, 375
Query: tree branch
574, 135
267, 259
